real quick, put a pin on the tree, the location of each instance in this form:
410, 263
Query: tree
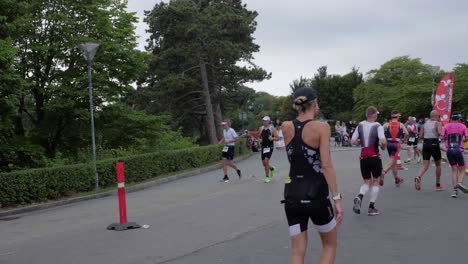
197, 48
402, 83
460, 91
15, 150
335, 93
53, 101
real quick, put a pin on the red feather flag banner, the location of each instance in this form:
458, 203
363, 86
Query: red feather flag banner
444, 97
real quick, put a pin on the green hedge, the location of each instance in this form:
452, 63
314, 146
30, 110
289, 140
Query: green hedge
39, 185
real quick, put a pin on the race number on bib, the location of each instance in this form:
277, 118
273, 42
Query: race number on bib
266, 150
225, 149
412, 139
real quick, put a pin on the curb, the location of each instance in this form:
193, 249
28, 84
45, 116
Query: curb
134, 188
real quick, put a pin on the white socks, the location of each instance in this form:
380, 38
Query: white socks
364, 189
374, 193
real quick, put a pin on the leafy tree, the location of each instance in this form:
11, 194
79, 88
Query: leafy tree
460, 91
335, 93
198, 47
53, 101
402, 83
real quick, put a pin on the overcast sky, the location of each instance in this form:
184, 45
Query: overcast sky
298, 36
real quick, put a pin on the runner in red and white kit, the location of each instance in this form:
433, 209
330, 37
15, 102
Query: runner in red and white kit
412, 143
394, 131
369, 134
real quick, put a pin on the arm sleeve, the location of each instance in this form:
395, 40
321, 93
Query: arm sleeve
355, 135
234, 134
380, 132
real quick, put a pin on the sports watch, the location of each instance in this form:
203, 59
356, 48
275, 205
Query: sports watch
337, 197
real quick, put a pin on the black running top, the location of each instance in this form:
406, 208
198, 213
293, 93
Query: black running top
266, 133
306, 180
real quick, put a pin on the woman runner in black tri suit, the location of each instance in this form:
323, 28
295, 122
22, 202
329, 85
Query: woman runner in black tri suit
311, 179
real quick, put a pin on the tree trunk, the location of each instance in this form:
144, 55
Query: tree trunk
210, 122
19, 127
218, 116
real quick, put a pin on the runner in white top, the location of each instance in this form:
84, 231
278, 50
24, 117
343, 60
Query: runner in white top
369, 134
229, 140
280, 143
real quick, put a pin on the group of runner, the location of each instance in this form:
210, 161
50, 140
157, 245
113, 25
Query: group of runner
311, 185
267, 135
371, 135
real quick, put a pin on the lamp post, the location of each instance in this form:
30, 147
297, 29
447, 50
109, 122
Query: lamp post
89, 50
433, 70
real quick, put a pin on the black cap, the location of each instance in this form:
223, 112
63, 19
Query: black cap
304, 95
456, 116
395, 114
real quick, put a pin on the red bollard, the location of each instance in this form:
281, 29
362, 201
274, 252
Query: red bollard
121, 191
123, 225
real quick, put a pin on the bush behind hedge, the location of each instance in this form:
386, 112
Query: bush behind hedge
39, 185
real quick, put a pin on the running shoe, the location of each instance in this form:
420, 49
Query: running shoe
239, 174
461, 187
417, 183
357, 205
454, 194
272, 172
407, 161
225, 179
419, 160
398, 182
267, 179
439, 188
373, 211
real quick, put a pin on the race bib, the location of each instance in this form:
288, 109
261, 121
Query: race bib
226, 148
266, 150
412, 139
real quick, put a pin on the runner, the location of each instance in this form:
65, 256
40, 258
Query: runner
431, 148
455, 134
280, 143
412, 143
420, 124
370, 135
229, 140
311, 179
267, 134
394, 131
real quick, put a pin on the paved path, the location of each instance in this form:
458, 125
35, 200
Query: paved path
200, 220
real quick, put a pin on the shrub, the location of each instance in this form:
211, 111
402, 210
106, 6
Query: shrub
39, 185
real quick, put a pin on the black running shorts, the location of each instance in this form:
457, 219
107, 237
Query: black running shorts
319, 211
371, 167
393, 149
456, 158
228, 153
431, 148
266, 153
412, 140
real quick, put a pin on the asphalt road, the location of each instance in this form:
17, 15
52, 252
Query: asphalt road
201, 220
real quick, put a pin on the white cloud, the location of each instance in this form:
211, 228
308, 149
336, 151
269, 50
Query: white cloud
298, 36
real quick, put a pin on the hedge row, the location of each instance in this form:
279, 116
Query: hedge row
39, 185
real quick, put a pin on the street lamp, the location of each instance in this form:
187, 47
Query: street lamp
89, 50
433, 70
